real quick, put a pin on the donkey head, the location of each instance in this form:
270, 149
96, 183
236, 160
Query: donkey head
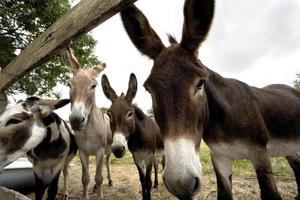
121, 114
82, 90
176, 84
22, 127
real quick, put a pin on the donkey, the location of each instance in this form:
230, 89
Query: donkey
130, 126
191, 102
32, 127
91, 126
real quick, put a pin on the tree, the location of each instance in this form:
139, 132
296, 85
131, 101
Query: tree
21, 21
297, 82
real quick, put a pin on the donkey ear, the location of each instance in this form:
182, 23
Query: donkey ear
70, 60
45, 107
140, 32
53, 104
198, 15
60, 103
132, 87
97, 69
107, 89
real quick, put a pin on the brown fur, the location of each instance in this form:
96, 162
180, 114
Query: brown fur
227, 112
140, 131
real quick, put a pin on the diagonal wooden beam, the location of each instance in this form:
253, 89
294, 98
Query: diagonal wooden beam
3, 102
85, 16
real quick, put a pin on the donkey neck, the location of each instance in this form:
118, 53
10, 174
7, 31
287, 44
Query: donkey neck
137, 137
217, 102
95, 117
231, 105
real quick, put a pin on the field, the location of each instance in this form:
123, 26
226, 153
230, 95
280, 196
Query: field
126, 182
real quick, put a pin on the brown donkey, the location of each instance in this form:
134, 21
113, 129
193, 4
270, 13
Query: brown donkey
131, 127
191, 102
91, 126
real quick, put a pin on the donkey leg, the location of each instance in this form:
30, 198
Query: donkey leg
40, 186
294, 162
107, 162
139, 165
98, 176
84, 158
263, 168
155, 173
148, 181
53, 188
223, 170
66, 176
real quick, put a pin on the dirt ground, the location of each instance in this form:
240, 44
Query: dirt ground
126, 185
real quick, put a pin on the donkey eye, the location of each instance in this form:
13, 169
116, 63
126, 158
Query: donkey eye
129, 114
200, 84
93, 87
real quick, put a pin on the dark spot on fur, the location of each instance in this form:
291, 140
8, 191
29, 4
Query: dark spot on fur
73, 146
12, 121
18, 138
17, 118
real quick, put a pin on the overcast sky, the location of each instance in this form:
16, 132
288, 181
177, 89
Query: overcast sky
257, 42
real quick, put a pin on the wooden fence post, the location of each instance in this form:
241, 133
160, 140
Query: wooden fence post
3, 102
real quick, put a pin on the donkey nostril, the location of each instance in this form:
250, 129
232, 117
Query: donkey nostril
196, 186
82, 120
119, 151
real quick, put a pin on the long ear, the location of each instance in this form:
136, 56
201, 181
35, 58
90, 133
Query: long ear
140, 32
107, 89
132, 87
198, 15
44, 107
60, 103
96, 70
53, 104
70, 60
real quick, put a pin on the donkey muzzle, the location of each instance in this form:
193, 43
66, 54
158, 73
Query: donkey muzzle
119, 145
77, 121
182, 172
119, 151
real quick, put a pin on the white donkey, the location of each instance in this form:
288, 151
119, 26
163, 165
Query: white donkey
31, 127
92, 129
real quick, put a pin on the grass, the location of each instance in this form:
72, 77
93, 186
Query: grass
239, 167
244, 167
127, 185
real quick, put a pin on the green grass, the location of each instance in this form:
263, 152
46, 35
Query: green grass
126, 160
244, 167
239, 167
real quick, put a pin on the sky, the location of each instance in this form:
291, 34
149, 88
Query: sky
257, 42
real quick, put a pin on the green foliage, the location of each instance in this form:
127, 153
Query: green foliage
297, 82
103, 109
21, 21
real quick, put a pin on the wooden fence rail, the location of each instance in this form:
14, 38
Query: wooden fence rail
85, 16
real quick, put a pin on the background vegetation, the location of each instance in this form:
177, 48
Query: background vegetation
21, 21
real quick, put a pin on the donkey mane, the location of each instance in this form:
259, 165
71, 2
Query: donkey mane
139, 113
172, 39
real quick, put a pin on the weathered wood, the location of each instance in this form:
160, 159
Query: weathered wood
3, 102
8, 194
86, 15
